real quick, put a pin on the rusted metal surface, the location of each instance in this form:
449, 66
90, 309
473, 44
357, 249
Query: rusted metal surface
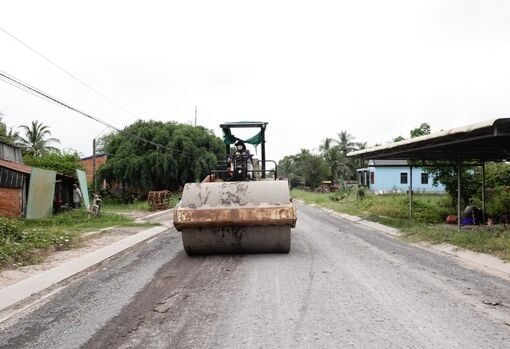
235, 217
240, 216
16, 166
159, 200
40, 193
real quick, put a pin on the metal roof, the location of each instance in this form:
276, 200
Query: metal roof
244, 124
16, 166
484, 141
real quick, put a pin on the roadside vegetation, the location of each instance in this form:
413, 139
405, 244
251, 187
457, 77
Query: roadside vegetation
429, 213
22, 239
112, 204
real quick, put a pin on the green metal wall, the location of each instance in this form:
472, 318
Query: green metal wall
41, 191
82, 180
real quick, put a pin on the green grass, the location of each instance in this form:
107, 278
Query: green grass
21, 238
112, 205
429, 213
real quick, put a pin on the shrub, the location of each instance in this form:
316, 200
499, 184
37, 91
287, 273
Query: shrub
9, 230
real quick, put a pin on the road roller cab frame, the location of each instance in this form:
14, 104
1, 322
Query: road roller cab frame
237, 208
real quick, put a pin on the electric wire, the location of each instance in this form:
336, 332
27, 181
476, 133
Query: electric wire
13, 81
70, 74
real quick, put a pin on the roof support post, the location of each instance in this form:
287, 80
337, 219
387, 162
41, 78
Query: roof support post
410, 193
458, 193
263, 134
483, 192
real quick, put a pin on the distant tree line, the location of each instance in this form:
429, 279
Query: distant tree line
330, 163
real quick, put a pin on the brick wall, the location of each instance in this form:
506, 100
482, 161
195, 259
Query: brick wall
10, 202
87, 164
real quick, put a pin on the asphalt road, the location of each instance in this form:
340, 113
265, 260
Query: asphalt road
342, 286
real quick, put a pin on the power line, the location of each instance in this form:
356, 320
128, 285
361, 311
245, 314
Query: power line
11, 80
69, 74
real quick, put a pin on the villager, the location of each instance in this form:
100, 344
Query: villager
77, 196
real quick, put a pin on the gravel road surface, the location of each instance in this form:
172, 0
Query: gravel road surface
342, 286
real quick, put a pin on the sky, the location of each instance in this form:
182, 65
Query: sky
311, 69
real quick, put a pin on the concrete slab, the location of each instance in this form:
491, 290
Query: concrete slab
15, 293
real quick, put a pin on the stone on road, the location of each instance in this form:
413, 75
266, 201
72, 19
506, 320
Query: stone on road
342, 285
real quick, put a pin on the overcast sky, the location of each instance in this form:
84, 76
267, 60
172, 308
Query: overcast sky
311, 69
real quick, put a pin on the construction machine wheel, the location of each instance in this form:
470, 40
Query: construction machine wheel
235, 217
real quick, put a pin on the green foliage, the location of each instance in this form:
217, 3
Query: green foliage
427, 208
392, 210
35, 141
20, 238
423, 129
9, 230
304, 168
498, 203
8, 136
60, 162
189, 153
307, 169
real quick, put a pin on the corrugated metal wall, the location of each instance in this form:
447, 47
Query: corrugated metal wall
41, 191
10, 178
10, 153
82, 180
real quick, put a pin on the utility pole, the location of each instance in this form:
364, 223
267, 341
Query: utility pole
195, 116
94, 165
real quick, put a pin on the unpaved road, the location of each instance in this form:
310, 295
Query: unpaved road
342, 286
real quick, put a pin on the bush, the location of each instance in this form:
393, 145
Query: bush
9, 230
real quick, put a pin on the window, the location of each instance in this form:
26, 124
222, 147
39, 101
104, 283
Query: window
424, 178
372, 177
403, 177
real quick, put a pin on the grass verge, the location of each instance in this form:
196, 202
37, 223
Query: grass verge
21, 239
112, 205
429, 211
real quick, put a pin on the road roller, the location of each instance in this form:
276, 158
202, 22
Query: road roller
241, 206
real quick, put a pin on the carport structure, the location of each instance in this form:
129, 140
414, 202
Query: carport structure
471, 145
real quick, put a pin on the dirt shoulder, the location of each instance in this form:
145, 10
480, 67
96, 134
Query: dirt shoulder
88, 242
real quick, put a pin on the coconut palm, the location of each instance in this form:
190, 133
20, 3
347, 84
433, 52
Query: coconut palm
35, 141
338, 163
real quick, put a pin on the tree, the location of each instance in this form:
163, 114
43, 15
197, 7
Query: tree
398, 139
346, 142
188, 155
35, 142
7, 136
338, 163
423, 129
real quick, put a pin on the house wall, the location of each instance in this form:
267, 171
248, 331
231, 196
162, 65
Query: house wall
11, 202
88, 166
387, 179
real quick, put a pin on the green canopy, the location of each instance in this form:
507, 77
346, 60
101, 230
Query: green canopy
229, 138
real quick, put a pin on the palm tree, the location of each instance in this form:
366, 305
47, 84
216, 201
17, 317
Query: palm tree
346, 142
337, 162
7, 135
35, 141
326, 145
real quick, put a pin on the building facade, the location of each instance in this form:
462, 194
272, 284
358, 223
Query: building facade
394, 176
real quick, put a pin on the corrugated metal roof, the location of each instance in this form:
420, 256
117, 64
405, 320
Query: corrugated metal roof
16, 166
387, 163
488, 140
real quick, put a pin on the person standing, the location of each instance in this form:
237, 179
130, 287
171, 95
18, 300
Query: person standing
77, 196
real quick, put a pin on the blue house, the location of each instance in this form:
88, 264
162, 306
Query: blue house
393, 176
